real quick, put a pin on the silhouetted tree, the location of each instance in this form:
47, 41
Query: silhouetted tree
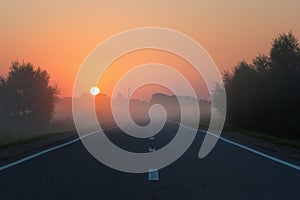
1, 96
265, 95
242, 83
262, 63
27, 96
285, 54
284, 83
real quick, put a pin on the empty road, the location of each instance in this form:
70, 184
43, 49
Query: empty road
228, 172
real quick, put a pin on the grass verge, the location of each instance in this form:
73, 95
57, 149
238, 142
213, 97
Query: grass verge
272, 139
280, 141
18, 140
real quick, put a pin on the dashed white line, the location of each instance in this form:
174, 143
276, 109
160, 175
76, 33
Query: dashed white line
153, 175
151, 149
151, 138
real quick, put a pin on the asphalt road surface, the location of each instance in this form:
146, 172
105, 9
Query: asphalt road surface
228, 172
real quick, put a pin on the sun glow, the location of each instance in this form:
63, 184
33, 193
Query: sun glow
94, 90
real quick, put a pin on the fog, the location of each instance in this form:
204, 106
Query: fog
137, 110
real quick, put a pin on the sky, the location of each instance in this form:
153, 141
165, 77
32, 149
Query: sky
58, 35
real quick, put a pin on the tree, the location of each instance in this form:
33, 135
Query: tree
241, 88
284, 77
285, 54
262, 63
27, 96
265, 94
1, 96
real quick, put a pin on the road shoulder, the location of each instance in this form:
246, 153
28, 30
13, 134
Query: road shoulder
15, 152
285, 153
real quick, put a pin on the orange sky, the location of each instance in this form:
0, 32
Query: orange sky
137, 58
58, 35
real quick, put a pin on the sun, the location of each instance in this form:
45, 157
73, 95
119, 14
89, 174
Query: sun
94, 90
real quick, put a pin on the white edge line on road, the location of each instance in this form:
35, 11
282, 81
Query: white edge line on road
221, 138
257, 152
296, 167
37, 154
47, 151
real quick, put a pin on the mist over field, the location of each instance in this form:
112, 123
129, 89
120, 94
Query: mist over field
138, 109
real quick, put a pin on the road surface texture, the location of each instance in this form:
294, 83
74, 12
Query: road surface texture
228, 172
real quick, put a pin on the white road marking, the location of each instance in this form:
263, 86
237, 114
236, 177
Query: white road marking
47, 150
151, 138
258, 152
153, 175
151, 149
221, 138
37, 154
296, 167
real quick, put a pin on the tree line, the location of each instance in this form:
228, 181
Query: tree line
264, 95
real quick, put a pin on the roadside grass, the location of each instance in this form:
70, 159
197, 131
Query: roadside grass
280, 141
12, 134
7, 140
295, 143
